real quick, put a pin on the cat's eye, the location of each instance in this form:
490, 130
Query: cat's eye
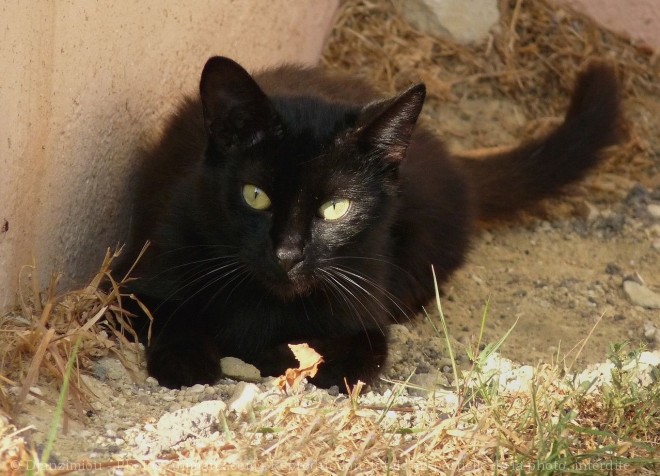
255, 197
334, 209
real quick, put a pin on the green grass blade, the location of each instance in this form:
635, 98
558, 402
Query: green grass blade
59, 409
454, 367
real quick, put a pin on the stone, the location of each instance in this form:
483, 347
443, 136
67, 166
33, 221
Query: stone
465, 21
650, 331
197, 388
236, 369
640, 295
197, 420
516, 380
654, 210
399, 333
244, 394
588, 211
109, 368
656, 244
425, 384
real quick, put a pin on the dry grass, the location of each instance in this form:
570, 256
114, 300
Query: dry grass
38, 337
536, 46
530, 58
13, 451
549, 425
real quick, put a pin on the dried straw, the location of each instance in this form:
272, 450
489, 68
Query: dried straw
37, 341
530, 57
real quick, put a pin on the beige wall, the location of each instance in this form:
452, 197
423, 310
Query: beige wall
639, 19
83, 81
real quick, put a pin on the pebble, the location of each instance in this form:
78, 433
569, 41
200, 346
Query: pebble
613, 268
110, 368
587, 211
399, 333
545, 226
650, 331
640, 295
244, 394
197, 388
453, 18
654, 210
174, 407
427, 383
234, 368
599, 374
197, 420
518, 379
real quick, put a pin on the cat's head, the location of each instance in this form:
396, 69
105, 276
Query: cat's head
307, 188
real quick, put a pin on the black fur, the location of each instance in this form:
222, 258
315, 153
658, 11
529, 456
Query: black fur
224, 279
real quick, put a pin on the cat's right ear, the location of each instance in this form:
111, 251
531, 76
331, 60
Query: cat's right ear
387, 126
237, 113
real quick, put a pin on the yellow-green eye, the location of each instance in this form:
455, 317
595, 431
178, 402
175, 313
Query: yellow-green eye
334, 209
255, 197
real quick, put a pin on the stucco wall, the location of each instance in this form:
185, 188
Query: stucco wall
82, 82
639, 19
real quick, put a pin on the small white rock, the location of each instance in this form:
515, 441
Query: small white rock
428, 383
656, 244
36, 391
465, 21
649, 331
151, 382
518, 380
197, 420
244, 394
641, 295
588, 211
197, 388
654, 210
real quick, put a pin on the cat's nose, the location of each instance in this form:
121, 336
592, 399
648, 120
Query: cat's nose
288, 257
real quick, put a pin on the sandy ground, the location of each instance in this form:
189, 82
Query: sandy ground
561, 268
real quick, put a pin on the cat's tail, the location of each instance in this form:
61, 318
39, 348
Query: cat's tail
508, 181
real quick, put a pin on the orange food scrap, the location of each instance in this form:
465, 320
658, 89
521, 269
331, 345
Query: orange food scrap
309, 361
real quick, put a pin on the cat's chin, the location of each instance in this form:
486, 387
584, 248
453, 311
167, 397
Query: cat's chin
291, 289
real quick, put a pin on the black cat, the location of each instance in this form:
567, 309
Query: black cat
298, 206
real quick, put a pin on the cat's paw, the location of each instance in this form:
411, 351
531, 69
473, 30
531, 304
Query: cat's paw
176, 366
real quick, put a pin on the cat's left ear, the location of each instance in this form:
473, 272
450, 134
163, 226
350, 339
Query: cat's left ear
236, 111
388, 125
